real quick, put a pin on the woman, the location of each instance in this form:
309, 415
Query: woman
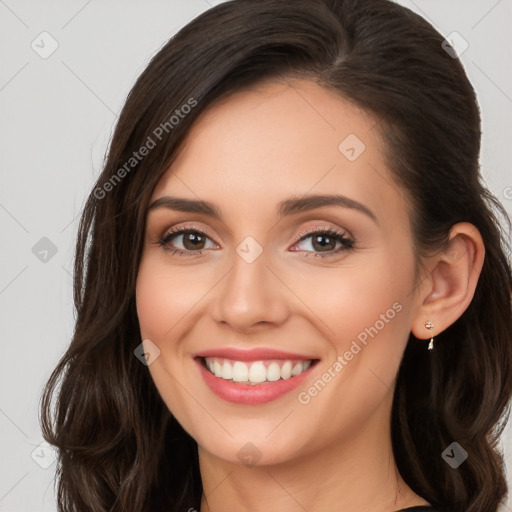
292, 290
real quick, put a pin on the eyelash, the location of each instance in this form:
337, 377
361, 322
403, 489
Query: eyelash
340, 236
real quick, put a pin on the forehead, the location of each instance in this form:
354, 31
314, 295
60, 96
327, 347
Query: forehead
292, 120
277, 139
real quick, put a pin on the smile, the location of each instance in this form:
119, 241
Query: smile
255, 372
252, 377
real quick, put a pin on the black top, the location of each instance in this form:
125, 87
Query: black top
419, 508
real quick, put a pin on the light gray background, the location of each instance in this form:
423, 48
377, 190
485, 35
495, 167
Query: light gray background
57, 115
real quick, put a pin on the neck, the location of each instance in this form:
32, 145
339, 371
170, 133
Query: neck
356, 473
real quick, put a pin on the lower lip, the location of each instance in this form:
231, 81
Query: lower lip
251, 394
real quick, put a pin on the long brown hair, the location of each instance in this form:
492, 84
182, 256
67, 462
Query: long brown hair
119, 448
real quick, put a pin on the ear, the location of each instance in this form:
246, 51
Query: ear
450, 284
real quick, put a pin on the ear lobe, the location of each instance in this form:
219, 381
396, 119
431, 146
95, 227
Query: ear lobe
450, 286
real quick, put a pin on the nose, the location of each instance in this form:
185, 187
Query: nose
250, 296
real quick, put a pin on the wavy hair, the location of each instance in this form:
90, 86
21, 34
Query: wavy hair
119, 447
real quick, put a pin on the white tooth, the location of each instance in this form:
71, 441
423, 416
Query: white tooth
240, 372
209, 363
227, 371
273, 372
217, 368
257, 372
297, 369
307, 364
286, 370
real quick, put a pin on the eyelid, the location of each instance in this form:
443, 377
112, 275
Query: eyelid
191, 227
297, 237
320, 229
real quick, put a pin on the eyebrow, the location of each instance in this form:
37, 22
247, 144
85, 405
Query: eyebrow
290, 206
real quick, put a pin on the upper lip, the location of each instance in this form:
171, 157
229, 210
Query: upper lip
254, 354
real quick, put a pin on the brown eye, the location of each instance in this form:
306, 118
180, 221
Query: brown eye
191, 240
323, 242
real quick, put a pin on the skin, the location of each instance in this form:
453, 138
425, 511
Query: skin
246, 154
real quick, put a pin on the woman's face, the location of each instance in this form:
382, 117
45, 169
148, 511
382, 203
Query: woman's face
310, 300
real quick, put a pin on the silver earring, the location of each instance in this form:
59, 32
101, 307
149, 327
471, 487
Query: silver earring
429, 325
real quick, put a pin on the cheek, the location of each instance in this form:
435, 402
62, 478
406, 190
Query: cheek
152, 301
164, 297
368, 315
365, 311
354, 298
